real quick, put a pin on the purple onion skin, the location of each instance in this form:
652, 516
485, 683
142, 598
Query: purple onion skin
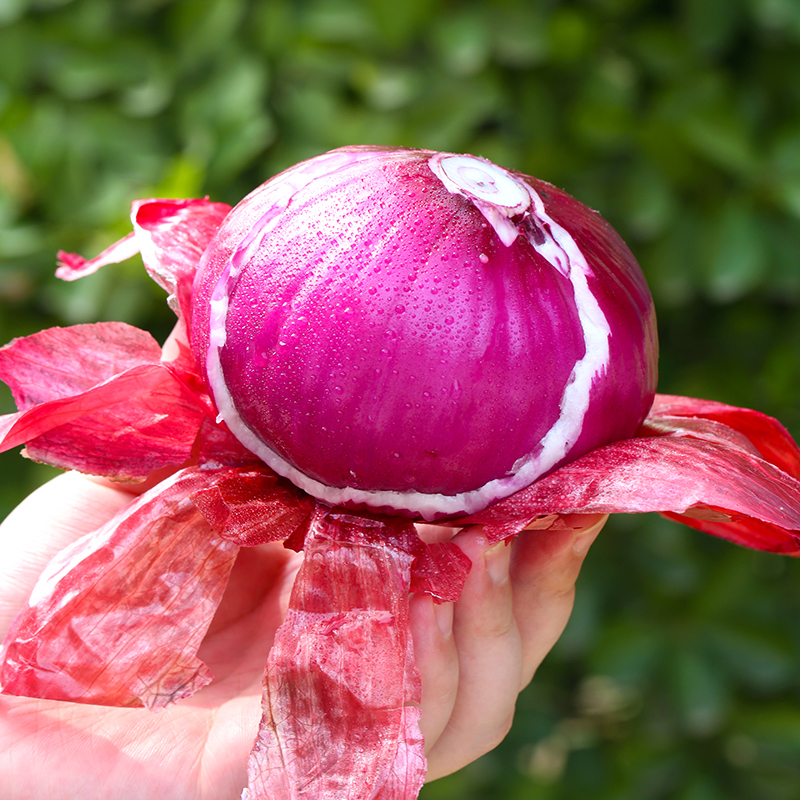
388, 339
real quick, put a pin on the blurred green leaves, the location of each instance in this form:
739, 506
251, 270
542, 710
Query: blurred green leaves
678, 120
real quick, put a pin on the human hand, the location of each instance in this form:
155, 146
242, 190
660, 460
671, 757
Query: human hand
474, 658
197, 748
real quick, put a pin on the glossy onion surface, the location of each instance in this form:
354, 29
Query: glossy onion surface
421, 332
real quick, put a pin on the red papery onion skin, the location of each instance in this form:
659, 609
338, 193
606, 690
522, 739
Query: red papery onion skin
391, 345
98, 398
87, 633
341, 689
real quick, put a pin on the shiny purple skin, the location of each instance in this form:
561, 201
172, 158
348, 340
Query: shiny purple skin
380, 336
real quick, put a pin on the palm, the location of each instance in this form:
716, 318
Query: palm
195, 749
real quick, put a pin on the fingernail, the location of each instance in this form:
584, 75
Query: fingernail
496, 559
583, 541
443, 612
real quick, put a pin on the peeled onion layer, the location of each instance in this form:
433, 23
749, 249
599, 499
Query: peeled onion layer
689, 465
348, 611
96, 398
87, 632
728, 471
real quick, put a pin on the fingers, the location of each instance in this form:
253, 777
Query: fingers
45, 522
544, 568
489, 659
437, 661
252, 608
515, 604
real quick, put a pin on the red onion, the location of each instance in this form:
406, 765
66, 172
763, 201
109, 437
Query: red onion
421, 332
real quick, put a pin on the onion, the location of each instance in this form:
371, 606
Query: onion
421, 333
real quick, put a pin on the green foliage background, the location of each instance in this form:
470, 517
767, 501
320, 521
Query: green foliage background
679, 674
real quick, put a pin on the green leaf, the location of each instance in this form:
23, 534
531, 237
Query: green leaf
738, 253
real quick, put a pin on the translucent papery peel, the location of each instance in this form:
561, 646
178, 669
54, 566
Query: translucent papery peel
686, 464
88, 633
98, 398
341, 691
349, 609
170, 235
